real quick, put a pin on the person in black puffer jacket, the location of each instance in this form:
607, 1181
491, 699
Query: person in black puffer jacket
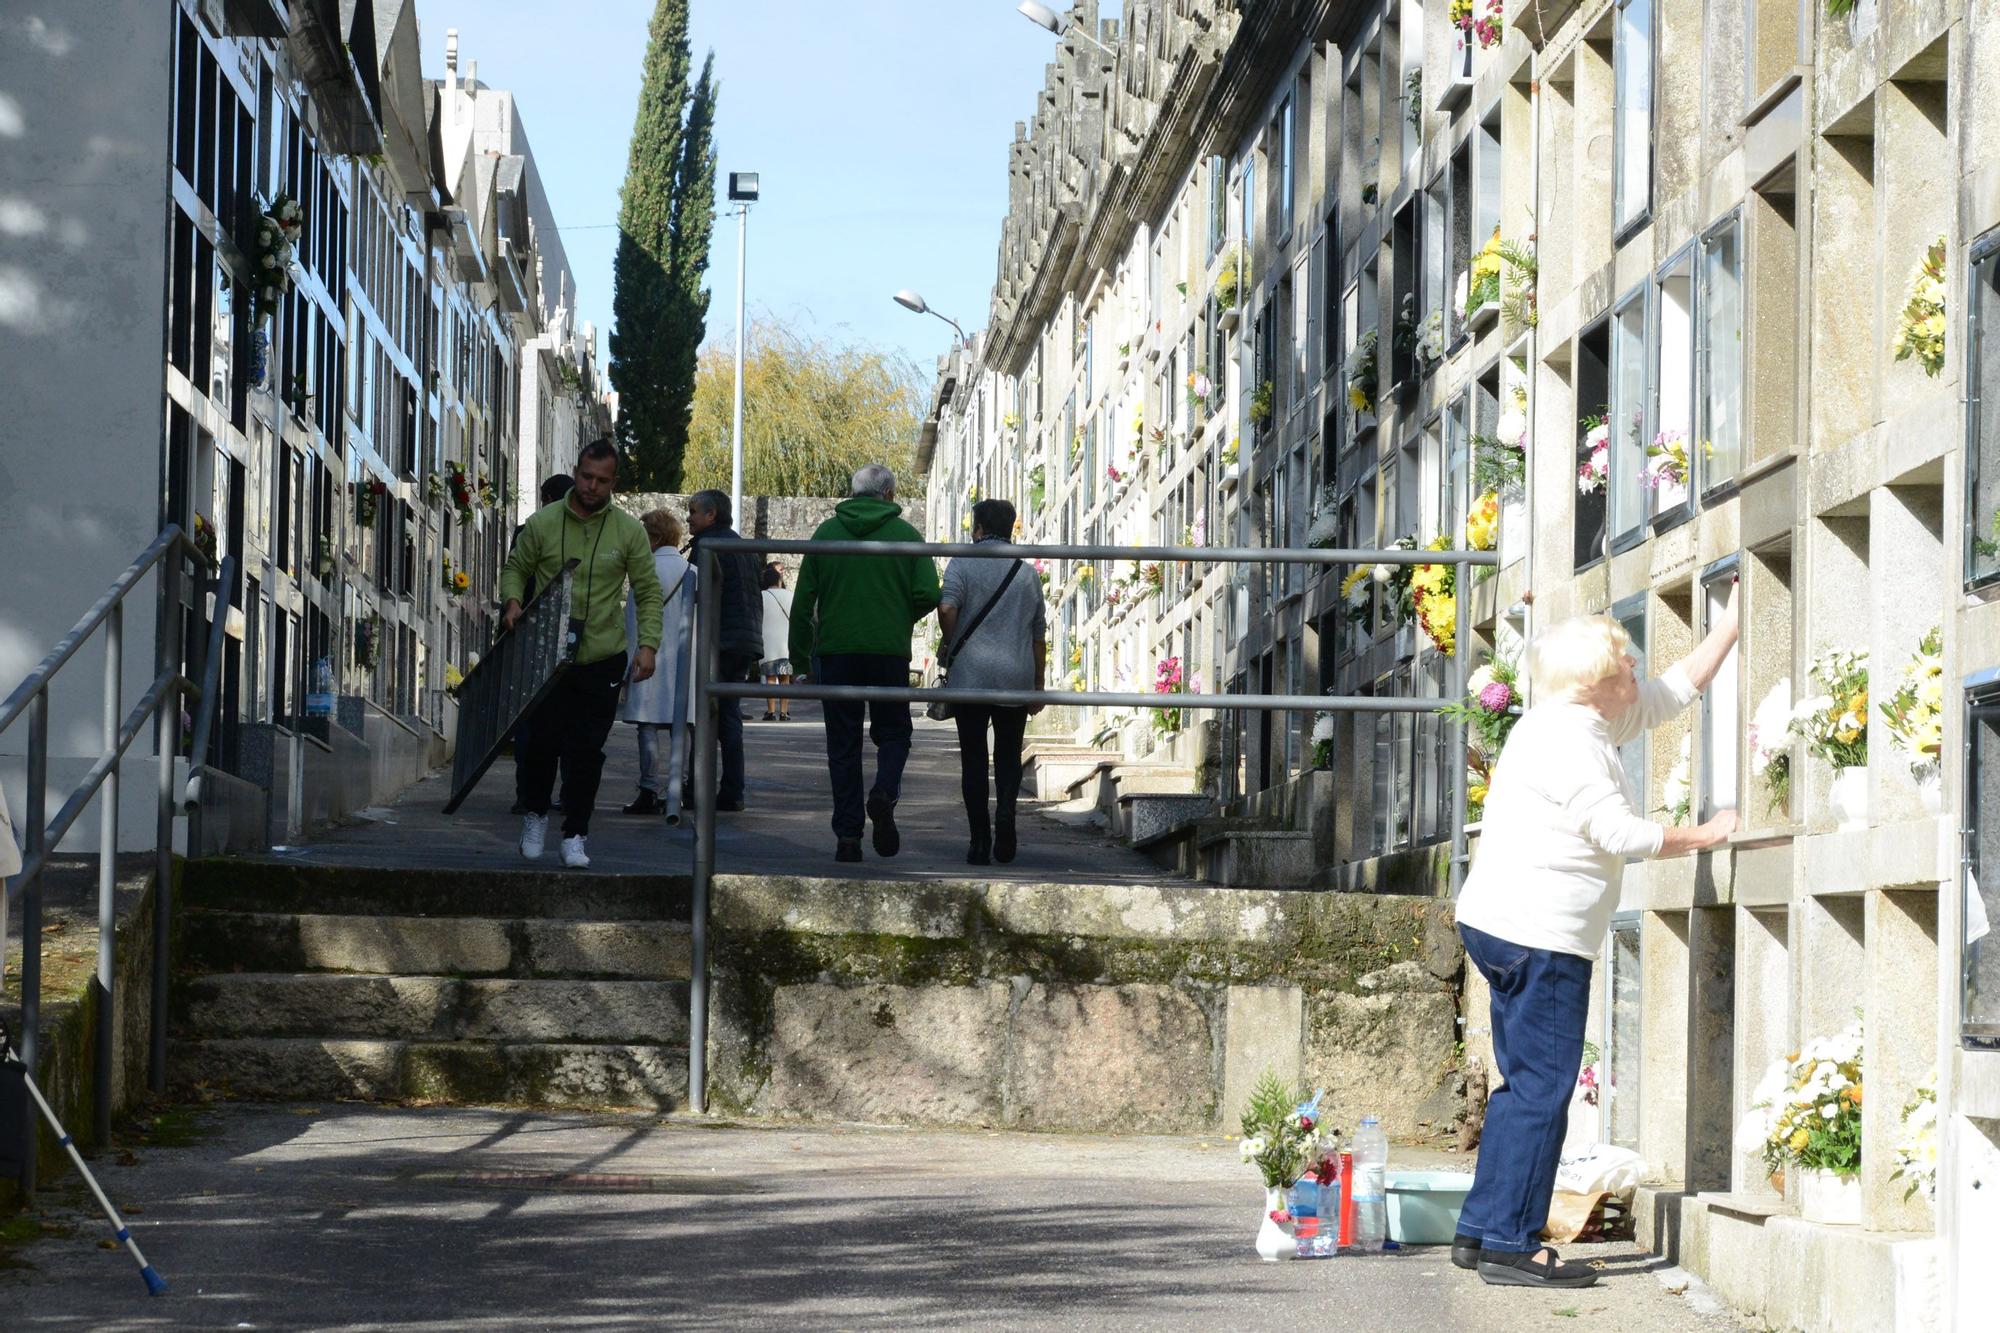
741, 635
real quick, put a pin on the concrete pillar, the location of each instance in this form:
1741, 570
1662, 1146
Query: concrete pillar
1906, 536
1899, 1047
1829, 963
1711, 1046
1763, 1024
1663, 1070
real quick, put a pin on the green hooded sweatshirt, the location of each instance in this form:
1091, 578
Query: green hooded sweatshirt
861, 603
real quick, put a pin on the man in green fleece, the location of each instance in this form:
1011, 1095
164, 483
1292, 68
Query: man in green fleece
569, 726
851, 619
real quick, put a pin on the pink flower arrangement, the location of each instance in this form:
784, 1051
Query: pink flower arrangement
1497, 697
1485, 25
1596, 468
1111, 471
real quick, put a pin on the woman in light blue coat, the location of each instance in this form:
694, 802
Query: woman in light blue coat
662, 706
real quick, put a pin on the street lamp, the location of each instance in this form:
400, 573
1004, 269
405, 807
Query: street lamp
743, 192
910, 301
1059, 24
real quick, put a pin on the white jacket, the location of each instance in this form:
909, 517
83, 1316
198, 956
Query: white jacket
667, 695
1559, 823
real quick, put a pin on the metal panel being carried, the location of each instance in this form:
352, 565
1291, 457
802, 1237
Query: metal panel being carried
510, 680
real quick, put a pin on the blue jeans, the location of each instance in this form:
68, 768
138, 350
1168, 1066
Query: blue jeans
890, 729
1541, 1000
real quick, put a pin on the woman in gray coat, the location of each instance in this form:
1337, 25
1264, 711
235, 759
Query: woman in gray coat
662, 704
1006, 648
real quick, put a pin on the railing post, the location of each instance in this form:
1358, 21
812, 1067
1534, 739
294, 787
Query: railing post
1455, 874
707, 662
172, 640
107, 877
34, 831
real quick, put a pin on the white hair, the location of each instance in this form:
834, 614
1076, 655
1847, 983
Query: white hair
874, 479
1572, 655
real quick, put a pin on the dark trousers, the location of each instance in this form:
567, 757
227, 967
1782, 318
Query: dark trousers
1541, 1000
567, 730
1009, 726
729, 727
889, 728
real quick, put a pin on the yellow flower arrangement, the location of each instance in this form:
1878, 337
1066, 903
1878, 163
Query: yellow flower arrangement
453, 677
1484, 288
1920, 328
1433, 591
1914, 714
1482, 525
460, 581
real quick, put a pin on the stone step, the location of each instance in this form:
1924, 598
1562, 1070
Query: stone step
433, 946
466, 1072
340, 1005
1258, 860
1212, 832
239, 885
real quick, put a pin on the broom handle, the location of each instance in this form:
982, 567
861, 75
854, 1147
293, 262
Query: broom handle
154, 1282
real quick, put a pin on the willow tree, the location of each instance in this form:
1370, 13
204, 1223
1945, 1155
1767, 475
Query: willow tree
814, 410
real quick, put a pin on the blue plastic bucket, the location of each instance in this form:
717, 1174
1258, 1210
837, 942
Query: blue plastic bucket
1424, 1205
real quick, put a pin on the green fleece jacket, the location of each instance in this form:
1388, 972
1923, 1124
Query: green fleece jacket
861, 603
613, 550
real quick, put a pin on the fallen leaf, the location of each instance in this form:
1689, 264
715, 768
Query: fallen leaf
128, 1158
107, 1244
132, 1210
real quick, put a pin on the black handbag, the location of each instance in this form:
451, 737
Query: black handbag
939, 710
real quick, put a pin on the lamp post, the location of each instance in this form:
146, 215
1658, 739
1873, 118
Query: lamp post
1060, 24
743, 191
910, 301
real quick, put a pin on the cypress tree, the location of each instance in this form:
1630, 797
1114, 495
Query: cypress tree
657, 302
693, 224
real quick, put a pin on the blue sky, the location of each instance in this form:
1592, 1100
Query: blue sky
880, 128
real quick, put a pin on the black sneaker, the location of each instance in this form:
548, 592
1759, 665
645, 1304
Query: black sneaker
646, 803
882, 813
1536, 1268
734, 807
1465, 1251
847, 849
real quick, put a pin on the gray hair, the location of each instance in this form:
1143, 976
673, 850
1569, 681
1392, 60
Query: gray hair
874, 479
711, 502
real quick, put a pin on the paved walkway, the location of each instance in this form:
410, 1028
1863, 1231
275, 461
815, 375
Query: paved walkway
786, 829
364, 1218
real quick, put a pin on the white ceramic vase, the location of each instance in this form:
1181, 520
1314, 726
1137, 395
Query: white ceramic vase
1826, 1196
1275, 1242
1849, 797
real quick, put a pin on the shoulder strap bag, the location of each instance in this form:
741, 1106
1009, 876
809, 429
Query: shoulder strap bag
940, 710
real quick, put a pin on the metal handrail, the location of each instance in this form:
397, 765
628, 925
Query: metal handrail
707, 689
30, 699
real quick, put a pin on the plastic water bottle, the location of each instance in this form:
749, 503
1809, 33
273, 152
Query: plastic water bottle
1371, 1187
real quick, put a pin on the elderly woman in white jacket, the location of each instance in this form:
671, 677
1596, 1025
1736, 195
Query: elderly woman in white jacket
661, 705
1558, 827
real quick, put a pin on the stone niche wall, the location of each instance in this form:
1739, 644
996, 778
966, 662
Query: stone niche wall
1085, 1008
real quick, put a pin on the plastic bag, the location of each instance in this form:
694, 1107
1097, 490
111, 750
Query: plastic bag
1604, 1169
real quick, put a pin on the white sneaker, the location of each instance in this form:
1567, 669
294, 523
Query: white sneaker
534, 831
573, 854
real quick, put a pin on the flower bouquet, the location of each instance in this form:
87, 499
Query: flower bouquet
271, 259
1484, 24
1322, 740
1920, 328
368, 495
1357, 594
1433, 599
1771, 746
1834, 723
1363, 375
1806, 1113
1198, 390
1667, 460
1489, 710
1914, 715
1595, 470
1916, 1153
1282, 1138
1484, 288
461, 492
1167, 679
1482, 525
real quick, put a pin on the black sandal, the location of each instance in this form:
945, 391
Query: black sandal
1534, 1268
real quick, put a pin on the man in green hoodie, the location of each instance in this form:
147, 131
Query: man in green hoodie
851, 619
568, 728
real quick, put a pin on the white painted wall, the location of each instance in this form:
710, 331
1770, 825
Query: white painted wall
85, 98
